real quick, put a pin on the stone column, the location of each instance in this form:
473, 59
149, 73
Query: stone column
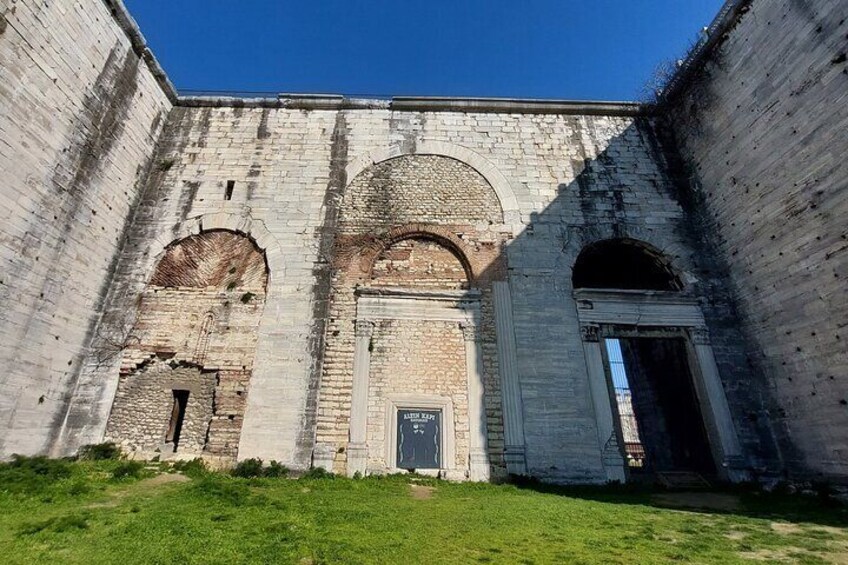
611, 456
478, 454
357, 451
732, 462
513, 408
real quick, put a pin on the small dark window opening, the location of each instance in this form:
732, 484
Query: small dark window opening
175, 427
622, 264
228, 194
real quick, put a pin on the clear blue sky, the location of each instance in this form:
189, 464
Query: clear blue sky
577, 49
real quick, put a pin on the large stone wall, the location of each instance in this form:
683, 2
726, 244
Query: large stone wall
80, 112
102, 176
561, 182
762, 126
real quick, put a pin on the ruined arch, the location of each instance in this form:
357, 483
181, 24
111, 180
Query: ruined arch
190, 364
626, 264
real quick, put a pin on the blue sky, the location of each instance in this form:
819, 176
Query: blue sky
587, 49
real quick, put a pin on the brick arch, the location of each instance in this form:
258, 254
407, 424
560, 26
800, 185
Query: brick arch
243, 225
212, 258
499, 183
372, 251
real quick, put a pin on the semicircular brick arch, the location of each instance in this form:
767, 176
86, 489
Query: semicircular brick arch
407, 188
378, 247
213, 259
496, 179
241, 224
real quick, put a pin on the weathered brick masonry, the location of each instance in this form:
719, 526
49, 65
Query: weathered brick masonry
423, 248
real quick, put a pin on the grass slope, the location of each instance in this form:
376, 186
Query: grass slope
84, 514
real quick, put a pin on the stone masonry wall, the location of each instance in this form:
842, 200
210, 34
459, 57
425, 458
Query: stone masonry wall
142, 409
561, 181
80, 113
762, 127
417, 357
202, 307
397, 221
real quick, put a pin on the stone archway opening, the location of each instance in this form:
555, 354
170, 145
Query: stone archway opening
624, 264
667, 413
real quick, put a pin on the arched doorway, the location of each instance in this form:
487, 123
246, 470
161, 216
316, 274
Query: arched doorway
640, 331
418, 258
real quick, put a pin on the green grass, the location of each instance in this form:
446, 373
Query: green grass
98, 512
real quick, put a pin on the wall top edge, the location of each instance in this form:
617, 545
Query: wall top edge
711, 37
139, 44
422, 104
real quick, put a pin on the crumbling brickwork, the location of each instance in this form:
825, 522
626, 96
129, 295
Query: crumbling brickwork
202, 308
418, 263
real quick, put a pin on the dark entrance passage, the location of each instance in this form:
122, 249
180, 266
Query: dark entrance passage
419, 438
665, 427
175, 426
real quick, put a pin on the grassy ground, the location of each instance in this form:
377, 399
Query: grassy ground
84, 514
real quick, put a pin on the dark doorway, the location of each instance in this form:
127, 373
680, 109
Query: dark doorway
175, 427
419, 437
666, 414
623, 264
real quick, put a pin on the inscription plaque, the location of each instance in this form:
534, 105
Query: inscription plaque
419, 437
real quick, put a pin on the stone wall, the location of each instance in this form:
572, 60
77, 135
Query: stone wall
418, 263
143, 406
561, 182
417, 358
762, 125
202, 308
81, 113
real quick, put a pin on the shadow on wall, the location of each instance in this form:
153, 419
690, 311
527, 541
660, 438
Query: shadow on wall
634, 190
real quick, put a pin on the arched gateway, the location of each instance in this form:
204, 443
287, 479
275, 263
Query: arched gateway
412, 377
186, 370
659, 404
